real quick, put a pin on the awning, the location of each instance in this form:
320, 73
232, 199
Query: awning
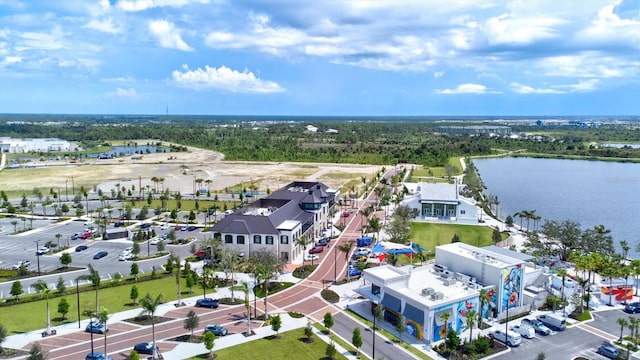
391, 302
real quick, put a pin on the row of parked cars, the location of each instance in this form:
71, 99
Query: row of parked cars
528, 328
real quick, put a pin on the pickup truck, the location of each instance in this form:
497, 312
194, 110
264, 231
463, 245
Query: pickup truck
537, 325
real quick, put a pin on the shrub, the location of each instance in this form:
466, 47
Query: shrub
330, 296
482, 345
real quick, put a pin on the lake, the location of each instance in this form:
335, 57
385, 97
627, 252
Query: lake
588, 192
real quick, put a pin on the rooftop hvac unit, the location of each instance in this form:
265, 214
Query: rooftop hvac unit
439, 268
437, 296
427, 291
449, 282
444, 275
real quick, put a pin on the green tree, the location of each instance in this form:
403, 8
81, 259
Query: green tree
134, 270
63, 308
471, 319
149, 307
623, 324
3, 336
308, 331
330, 350
401, 327
133, 355
191, 322
136, 249
452, 341
160, 246
16, 289
496, 236
455, 238
209, 341
276, 324
328, 321
189, 281
345, 248
541, 356
94, 277
356, 340
133, 295
65, 259
36, 352
60, 286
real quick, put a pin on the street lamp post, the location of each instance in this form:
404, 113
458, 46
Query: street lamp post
78, 299
38, 255
66, 190
335, 264
506, 326
374, 330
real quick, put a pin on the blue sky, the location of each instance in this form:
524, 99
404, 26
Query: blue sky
324, 57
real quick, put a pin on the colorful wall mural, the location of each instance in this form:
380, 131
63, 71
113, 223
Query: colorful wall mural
511, 284
462, 309
442, 323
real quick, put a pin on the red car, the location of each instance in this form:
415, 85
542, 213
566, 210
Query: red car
316, 250
346, 214
86, 235
200, 253
178, 228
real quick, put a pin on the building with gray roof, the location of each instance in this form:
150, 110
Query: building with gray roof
276, 222
440, 202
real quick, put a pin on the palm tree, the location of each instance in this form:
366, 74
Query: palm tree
610, 272
149, 307
175, 259
563, 274
346, 248
375, 226
484, 299
103, 316
229, 263
623, 324
625, 249
94, 277
302, 241
244, 287
444, 316
635, 271
266, 274
471, 319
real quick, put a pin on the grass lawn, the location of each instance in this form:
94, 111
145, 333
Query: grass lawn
289, 346
430, 235
33, 315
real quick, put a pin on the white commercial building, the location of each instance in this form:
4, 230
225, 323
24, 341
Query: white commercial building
440, 202
18, 146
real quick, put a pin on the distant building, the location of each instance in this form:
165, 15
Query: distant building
475, 130
18, 146
440, 202
276, 222
312, 129
117, 233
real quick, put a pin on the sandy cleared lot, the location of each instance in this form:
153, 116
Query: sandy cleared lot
179, 170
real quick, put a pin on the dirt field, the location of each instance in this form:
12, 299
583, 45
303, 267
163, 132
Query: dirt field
179, 171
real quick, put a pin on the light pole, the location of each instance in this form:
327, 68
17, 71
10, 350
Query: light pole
78, 299
335, 264
375, 315
506, 326
66, 189
38, 255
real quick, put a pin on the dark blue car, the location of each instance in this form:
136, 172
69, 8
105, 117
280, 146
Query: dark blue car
207, 302
145, 348
97, 356
96, 328
217, 330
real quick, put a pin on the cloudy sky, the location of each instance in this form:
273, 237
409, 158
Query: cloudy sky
320, 57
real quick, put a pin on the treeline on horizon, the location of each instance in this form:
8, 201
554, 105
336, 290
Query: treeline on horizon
366, 142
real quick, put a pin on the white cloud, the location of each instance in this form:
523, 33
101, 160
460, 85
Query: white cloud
122, 79
525, 89
167, 35
467, 89
140, 5
581, 86
9, 60
520, 30
127, 93
224, 79
438, 74
105, 26
585, 65
42, 41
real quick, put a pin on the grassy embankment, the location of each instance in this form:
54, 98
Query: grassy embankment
430, 235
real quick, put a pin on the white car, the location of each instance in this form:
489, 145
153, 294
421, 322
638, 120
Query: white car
26, 263
125, 256
128, 250
154, 240
311, 257
89, 222
164, 227
43, 250
525, 331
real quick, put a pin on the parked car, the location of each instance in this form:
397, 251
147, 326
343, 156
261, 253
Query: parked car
354, 272
85, 235
97, 356
100, 255
316, 250
537, 325
145, 348
311, 257
607, 350
553, 321
154, 240
75, 236
89, 222
80, 248
26, 263
178, 228
200, 253
118, 223
145, 226
207, 302
164, 227
632, 308
363, 241
324, 241
191, 228
126, 256
511, 338
346, 214
526, 332
42, 250
96, 328
361, 251
128, 250
217, 330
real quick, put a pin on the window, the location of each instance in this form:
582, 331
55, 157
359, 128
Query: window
240, 239
462, 212
228, 239
269, 240
257, 239
284, 239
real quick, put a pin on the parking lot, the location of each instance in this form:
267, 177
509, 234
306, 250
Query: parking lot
574, 341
